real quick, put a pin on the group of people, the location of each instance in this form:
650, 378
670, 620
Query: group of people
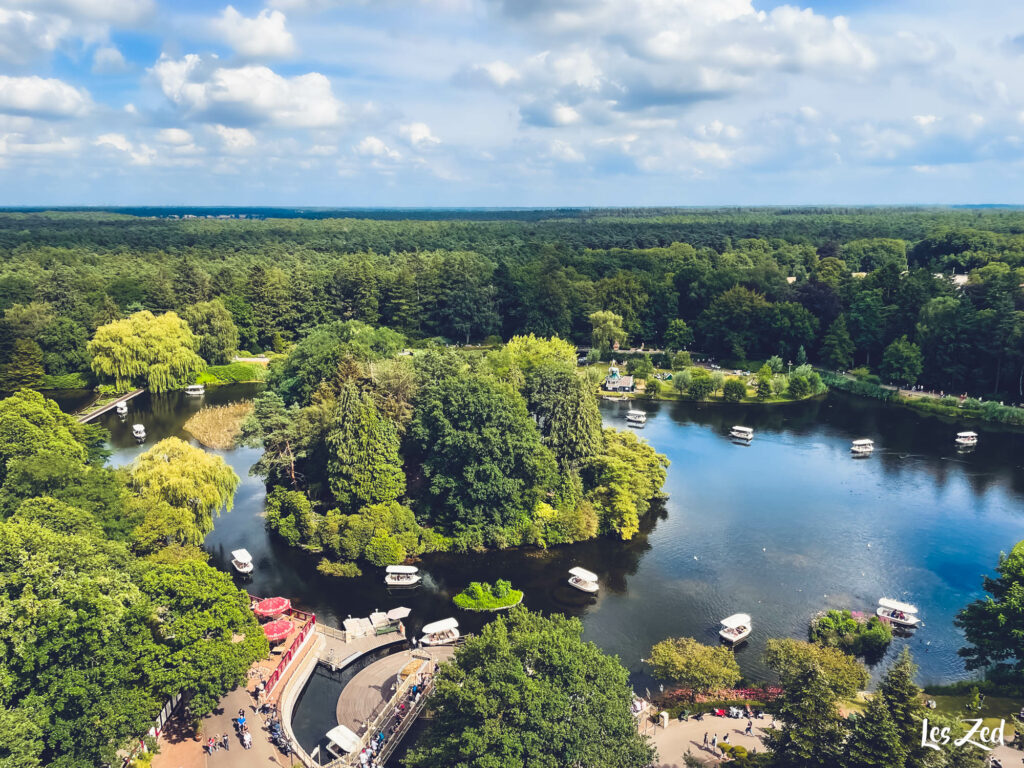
242, 729
713, 745
368, 756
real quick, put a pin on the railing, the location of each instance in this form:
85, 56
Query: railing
308, 625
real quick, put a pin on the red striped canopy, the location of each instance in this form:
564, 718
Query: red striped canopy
272, 606
277, 630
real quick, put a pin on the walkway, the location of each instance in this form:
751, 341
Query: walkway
89, 415
681, 737
366, 693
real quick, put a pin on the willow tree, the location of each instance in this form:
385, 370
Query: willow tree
144, 349
186, 478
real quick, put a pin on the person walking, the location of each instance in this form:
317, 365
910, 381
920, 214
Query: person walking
705, 739
714, 743
226, 741
750, 728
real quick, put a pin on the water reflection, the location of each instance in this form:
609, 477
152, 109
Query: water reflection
780, 529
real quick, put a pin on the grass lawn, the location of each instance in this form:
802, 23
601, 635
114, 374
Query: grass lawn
232, 373
993, 709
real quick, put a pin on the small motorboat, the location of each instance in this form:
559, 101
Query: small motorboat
242, 561
735, 628
862, 447
402, 576
121, 408
583, 580
636, 418
443, 632
967, 439
744, 434
138, 432
195, 390
901, 614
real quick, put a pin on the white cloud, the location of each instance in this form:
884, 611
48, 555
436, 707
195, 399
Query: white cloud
108, 60
175, 136
925, 120
120, 12
247, 95
494, 73
140, 154
116, 140
418, 134
263, 36
234, 139
371, 146
564, 151
41, 97
25, 35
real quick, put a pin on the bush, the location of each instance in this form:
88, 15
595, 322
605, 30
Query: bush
840, 629
339, 570
734, 390
681, 360
384, 549
483, 597
799, 387
65, 381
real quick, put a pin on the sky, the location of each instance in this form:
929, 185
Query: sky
510, 102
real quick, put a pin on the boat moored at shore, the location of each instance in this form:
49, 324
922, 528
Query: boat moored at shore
443, 632
195, 390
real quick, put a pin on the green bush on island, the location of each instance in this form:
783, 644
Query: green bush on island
232, 373
840, 629
481, 596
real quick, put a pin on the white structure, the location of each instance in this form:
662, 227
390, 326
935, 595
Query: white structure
966, 438
742, 433
138, 432
735, 628
242, 560
898, 613
340, 740
122, 407
583, 580
636, 418
441, 632
862, 447
195, 390
402, 576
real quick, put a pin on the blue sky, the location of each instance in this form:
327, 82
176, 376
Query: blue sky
510, 102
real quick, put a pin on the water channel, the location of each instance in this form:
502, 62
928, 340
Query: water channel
780, 529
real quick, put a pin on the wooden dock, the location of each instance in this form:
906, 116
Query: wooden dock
95, 413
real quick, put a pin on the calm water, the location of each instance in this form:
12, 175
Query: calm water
781, 529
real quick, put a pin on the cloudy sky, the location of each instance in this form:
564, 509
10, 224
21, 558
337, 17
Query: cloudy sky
510, 102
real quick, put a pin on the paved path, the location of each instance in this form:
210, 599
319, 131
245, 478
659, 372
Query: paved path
94, 413
371, 687
688, 736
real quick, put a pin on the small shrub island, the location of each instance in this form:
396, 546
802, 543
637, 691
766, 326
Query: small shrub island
481, 596
856, 635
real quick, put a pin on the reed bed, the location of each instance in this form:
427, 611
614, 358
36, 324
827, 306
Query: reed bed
217, 426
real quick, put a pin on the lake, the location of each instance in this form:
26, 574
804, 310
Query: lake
780, 529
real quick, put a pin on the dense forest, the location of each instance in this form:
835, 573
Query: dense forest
917, 295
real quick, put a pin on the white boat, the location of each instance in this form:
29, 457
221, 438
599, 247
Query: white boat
583, 580
735, 628
138, 432
862, 447
898, 613
122, 407
966, 438
402, 576
742, 433
242, 560
195, 390
443, 632
636, 418
341, 740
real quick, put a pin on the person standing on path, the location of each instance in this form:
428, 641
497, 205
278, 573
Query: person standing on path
226, 741
750, 728
705, 739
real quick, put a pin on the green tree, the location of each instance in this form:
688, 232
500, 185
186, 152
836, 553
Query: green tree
901, 362
812, 734
30, 424
566, 413
187, 478
364, 466
764, 382
700, 384
524, 354
994, 625
211, 322
606, 330
701, 668
158, 352
843, 674
570, 703
481, 454
623, 478
798, 387
678, 336
290, 515
837, 346
874, 741
24, 368
734, 390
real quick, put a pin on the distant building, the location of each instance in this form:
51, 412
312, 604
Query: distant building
619, 384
